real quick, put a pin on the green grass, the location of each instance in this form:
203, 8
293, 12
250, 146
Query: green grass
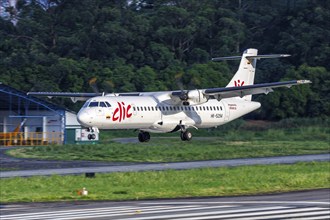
169, 184
171, 150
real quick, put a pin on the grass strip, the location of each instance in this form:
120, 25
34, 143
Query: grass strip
169, 184
238, 139
173, 150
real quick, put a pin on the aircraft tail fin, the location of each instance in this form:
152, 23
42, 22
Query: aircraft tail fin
247, 67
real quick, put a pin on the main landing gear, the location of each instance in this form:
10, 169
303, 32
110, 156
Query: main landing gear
144, 136
186, 135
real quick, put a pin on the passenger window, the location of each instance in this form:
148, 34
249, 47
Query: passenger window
152, 108
218, 108
145, 108
93, 104
221, 108
148, 108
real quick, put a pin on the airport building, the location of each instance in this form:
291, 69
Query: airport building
27, 120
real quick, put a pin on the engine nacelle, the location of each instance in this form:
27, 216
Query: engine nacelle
196, 97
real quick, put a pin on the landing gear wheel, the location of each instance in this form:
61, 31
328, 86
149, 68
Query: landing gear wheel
186, 135
144, 136
91, 136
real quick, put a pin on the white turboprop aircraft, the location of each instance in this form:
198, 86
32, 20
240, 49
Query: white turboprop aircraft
170, 111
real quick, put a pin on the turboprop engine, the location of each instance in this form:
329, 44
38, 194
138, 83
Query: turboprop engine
196, 97
190, 97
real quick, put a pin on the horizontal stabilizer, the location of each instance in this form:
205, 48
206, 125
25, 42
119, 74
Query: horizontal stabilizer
251, 57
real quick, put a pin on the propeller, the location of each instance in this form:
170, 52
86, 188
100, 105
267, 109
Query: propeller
183, 94
108, 85
92, 83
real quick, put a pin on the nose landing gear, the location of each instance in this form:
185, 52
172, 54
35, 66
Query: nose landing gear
92, 136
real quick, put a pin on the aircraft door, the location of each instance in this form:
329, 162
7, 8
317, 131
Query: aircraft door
226, 110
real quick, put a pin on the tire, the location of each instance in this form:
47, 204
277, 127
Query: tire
141, 137
182, 136
187, 135
144, 136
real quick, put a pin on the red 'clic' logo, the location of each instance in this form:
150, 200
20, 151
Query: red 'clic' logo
121, 112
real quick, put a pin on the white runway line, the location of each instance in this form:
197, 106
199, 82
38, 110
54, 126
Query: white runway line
295, 215
326, 217
102, 212
267, 214
241, 202
176, 216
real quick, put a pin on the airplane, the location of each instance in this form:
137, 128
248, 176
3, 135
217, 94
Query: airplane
176, 111
12, 135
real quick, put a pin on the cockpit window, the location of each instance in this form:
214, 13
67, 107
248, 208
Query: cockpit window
93, 104
102, 104
108, 104
85, 105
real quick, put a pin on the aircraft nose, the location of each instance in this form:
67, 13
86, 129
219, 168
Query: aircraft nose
83, 118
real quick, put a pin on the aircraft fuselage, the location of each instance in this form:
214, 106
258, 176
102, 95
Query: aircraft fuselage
149, 113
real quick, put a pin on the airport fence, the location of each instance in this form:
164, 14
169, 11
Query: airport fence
30, 138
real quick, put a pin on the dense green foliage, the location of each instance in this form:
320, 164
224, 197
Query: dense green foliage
58, 45
169, 184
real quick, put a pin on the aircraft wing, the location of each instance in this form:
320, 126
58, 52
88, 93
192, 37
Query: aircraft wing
218, 93
240, 91
75, 96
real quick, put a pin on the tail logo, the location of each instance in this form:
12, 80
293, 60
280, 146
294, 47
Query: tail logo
238, 83
121, 112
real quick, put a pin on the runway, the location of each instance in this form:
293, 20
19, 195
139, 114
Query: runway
164, 166
305, 205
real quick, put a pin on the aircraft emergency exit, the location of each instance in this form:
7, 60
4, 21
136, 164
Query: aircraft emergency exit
171, 111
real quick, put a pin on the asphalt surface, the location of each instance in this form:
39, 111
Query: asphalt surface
305, 205
12, 163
